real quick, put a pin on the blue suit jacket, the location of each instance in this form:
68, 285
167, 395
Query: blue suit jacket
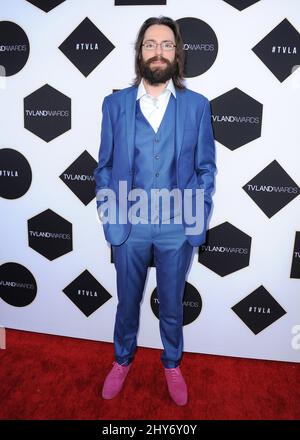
194, 151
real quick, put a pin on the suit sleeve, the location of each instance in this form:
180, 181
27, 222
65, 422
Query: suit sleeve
102, 173
205, 157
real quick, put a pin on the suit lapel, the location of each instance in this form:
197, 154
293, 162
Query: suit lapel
181, 107
130, 106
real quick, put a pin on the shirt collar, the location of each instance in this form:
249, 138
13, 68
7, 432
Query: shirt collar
142, 91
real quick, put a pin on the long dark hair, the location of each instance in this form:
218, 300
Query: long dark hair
179, 54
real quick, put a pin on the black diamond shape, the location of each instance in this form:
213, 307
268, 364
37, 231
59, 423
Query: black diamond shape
87, 293
79, 177
295, 271
46, 5
226, 250
86, 47
258, 310
272, 189
280, 50
241, 4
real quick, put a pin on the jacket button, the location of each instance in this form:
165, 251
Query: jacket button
156, 174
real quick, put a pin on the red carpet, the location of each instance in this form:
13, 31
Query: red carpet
53, 377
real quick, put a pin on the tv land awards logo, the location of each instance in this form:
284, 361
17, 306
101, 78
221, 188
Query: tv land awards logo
86, 47
50, 235
192, 304
79, 177
15, 174
17, 285
200, 46
241, 4
272, 189
280, 50
14, 48
47, 113
46, 5
295, 270
226, 250
258, 310
236, 118
87, 293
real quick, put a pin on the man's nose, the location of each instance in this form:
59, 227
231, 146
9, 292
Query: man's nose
158, 49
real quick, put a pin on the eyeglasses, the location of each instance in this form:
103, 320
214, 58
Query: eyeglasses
164, 45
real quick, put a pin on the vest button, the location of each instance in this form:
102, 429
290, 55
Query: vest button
156, 140
157, 156
156, 174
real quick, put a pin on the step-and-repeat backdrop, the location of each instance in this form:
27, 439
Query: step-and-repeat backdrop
58, 59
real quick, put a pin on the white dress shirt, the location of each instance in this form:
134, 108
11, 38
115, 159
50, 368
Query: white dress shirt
153, 108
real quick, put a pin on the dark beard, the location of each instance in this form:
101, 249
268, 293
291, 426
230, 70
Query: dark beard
158, 75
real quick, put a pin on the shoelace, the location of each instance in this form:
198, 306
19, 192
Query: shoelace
174, 375
118, 370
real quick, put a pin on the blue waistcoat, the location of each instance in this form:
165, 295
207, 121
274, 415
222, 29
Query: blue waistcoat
154, 162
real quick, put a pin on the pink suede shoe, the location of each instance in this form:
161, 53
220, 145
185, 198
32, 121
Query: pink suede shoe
114, 381
176, 385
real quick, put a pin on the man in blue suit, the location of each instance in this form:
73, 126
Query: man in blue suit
156, 136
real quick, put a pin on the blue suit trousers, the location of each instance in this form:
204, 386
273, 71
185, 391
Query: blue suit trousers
172, 253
